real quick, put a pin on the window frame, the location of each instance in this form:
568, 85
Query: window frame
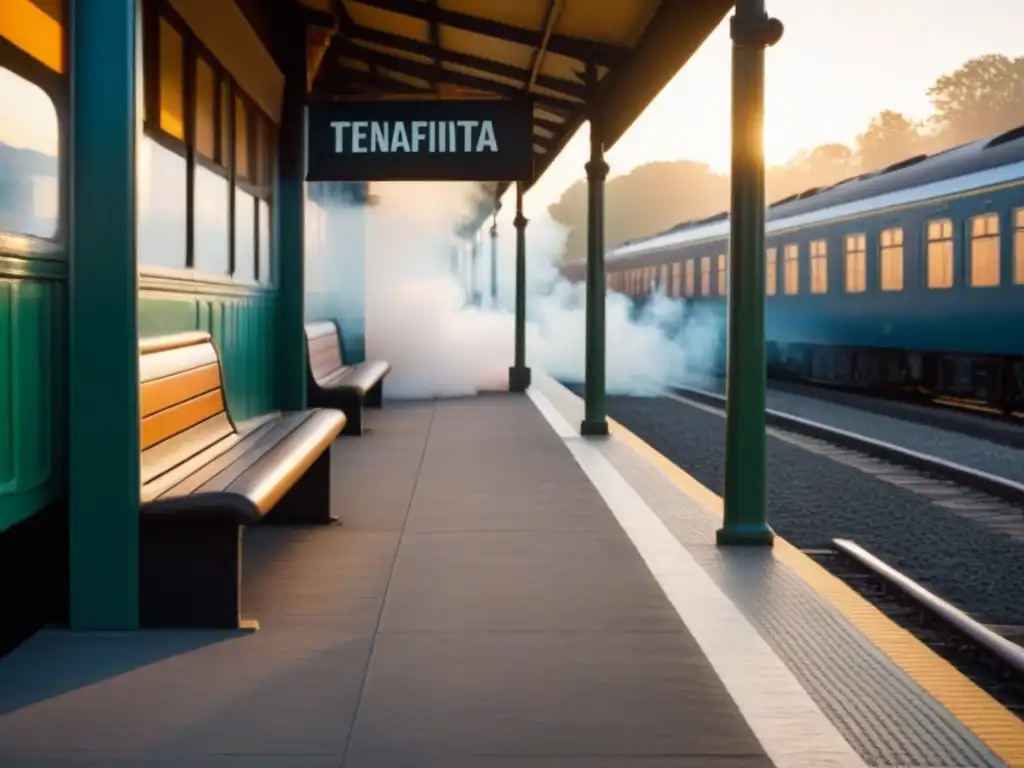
1017, 229
942, 239
818, 261
861, 263
223, 165
787, 249
972, 239
882, 249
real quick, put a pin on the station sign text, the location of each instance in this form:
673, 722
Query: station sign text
417, 140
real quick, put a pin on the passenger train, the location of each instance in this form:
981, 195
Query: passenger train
909, 278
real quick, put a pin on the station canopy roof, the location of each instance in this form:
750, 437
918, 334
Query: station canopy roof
443, 49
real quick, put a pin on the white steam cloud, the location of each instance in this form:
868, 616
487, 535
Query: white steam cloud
419, 319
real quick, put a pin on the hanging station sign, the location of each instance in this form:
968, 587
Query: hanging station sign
420, 140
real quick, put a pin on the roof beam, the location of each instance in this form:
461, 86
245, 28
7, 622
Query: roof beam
339, 77
583, 50
548, 125
435, 44
424, 71
479, 63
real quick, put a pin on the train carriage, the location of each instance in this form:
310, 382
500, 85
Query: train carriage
911, 277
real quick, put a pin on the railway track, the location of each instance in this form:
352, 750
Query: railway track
991, 656
984, 654
929, 475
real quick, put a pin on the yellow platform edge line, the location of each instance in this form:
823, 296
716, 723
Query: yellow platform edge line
994, 725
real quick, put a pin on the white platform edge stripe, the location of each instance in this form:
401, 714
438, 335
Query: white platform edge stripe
790, 727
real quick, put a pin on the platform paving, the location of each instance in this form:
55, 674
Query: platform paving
479, 606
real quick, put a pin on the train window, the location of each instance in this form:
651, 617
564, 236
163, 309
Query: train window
677, 279
689, 277
819, 266
29, 150
771, 271
172, 91
705, 276
985, 251
891, 252
856, 263
791, 269
35, 27
1018, 247
206, 110
723, 276
940, 253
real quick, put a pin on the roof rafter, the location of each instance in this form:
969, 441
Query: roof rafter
573, 47
479, 63
424, 71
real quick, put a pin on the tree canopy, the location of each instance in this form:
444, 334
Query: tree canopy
983, 96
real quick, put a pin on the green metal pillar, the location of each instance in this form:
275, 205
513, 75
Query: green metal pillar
745, 514
103, 350
594, 419
494, 261
474, 294
289, 211
519, 374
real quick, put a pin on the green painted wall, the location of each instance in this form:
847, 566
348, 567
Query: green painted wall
241, 320
32, 374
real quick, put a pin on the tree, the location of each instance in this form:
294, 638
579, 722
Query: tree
648, 199
983, 96
890, 137
819, 167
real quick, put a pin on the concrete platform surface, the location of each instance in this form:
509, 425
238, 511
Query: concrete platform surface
480, 605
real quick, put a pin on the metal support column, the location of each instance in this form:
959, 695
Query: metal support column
494, 261
474, 252
745, 514
103, 353
289, 214
594, 419
519, 374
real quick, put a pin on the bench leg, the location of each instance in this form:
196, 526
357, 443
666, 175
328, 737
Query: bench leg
375, 397
190, 574
309, 500
352, 405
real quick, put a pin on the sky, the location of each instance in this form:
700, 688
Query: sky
839, 63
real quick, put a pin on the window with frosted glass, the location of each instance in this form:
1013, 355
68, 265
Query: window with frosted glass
161, 208
265, 275
245, 236
212, 223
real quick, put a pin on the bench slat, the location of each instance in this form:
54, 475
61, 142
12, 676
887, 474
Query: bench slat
182, 449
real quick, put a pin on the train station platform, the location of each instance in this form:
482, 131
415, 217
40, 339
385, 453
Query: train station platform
502, 592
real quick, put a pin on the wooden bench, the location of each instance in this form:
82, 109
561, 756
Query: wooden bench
332, 384
202, 482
